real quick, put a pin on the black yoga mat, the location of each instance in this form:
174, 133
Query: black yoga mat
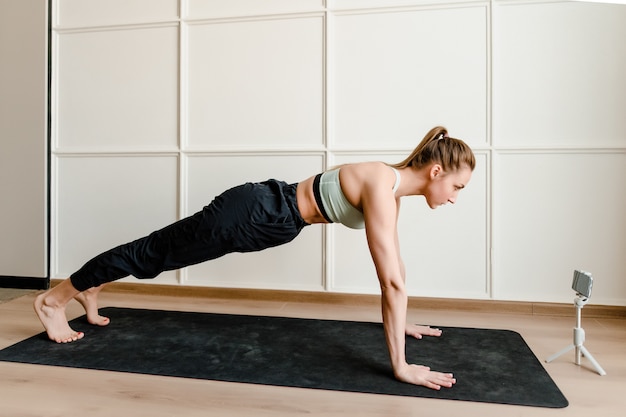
493, 366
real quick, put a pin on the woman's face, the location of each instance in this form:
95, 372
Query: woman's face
444, 186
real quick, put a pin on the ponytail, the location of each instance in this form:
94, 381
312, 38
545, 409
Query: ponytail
437, 147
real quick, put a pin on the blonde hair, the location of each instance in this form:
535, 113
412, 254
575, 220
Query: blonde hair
438, 147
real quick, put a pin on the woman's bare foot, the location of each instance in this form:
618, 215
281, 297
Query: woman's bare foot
53, 318
89, 300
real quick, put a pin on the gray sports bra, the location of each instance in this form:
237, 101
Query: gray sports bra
333, 203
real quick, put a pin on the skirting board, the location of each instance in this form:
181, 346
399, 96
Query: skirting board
24, 283
448, 304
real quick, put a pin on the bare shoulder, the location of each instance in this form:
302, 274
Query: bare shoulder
363, 178
367, 173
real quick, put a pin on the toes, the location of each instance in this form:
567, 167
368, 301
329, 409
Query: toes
99, 321
74, 337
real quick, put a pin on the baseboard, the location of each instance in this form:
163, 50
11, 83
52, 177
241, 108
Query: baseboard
24, 283
447, 304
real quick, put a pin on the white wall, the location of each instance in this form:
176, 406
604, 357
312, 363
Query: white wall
23, 139
159, 106
559, 149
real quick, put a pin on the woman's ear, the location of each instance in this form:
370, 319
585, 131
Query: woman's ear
435, 171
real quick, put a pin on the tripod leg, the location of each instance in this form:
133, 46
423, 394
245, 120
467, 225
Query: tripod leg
556, 355
595, 363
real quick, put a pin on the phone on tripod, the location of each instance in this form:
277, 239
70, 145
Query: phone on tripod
582, 283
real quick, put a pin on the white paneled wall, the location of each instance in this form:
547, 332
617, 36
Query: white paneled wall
104, 200
396, 74
255, 83
160, 105
117, 89
98, 13
560, 84
566, 209
559, 149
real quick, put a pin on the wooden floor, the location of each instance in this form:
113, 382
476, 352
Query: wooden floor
34, 390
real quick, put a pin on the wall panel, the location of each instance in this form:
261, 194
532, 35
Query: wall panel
557, 212
397, 74
117, 89
560, 84
262, 87
202, 9
103, 201
397, 4
111, 12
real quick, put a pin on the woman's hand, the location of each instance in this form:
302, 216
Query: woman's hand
422, 375
417, 331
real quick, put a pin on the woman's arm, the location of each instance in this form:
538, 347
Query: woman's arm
380, 210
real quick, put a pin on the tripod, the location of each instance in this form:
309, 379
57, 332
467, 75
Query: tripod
579, 338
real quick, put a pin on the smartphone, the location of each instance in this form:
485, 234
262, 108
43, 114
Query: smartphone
582, 283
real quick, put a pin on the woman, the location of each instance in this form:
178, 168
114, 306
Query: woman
256, 216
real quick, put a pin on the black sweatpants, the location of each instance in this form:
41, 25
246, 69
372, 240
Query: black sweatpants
250, 217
